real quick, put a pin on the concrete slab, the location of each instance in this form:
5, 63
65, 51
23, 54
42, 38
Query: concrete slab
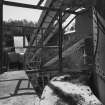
15, 89
64, 90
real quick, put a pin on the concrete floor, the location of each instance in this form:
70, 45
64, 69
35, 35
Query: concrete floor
15, 89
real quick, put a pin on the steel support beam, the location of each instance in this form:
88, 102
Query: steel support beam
22, 26
60, 41
40, 2
16, 4
43, 20
1, 33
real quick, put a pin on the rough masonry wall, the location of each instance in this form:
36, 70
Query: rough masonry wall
99, 48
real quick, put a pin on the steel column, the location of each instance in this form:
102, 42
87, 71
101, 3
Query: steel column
1, 33
60, 41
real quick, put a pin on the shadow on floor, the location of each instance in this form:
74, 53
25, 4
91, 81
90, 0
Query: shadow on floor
19, 90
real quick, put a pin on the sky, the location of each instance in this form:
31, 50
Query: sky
17, 13
18, 42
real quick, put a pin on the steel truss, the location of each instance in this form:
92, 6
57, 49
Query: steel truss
60, 11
